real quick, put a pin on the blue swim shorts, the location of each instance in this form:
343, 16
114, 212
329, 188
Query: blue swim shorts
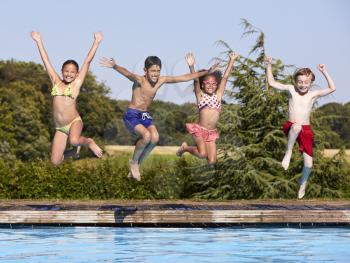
133, 117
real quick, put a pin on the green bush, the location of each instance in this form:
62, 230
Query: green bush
164, 177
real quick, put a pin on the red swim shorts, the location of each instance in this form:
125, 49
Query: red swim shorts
305, 137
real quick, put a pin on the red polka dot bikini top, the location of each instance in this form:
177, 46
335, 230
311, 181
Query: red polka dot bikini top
210, 101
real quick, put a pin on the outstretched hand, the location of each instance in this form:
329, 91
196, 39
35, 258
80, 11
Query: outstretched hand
214, 67
190, 59
233, 55
98, 36
107, 62
267, 60
35, 36
322, 67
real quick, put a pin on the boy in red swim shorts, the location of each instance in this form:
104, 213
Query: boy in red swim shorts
301, 100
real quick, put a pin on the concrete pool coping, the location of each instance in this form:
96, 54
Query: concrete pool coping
169, 213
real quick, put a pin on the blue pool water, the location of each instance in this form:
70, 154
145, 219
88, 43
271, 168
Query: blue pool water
98, 244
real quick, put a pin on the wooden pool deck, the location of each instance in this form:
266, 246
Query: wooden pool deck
174, 213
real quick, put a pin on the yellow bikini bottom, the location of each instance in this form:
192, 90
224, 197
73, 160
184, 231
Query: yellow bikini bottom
66, 129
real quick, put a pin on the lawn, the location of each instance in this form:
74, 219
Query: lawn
171, 150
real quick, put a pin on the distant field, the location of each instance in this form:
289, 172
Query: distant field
332, 152
171, 150
159, 150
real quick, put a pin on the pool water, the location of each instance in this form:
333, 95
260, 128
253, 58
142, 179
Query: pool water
103, 244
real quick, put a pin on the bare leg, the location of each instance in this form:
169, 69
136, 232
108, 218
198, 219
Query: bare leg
76, 139
292, 136
200, 150
305, 174
140, 146
154, 140
181, 150
211, 150
58, 146
142, 143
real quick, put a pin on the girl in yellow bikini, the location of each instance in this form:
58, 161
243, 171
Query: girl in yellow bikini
65, 92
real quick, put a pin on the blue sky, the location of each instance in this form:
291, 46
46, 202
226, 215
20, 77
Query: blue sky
303, 33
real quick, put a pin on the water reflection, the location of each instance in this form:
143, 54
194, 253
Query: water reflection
80, 244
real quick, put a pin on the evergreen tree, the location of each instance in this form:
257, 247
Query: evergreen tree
249, 164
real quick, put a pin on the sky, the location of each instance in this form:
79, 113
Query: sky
299, 32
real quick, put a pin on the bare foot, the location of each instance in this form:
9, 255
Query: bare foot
77, 156
286, 159
302, 188
94, 148
134, 170
181, 150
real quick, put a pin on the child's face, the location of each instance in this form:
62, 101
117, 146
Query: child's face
69, 73
209, 85
152, 74
303, 83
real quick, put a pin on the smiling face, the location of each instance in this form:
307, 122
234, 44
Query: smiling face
303, 79
69, 72
303, 83
209, 85
152, 74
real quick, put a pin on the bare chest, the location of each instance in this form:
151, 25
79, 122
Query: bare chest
304, 101
145, 93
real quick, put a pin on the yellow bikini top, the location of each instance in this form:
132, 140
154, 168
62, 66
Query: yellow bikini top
68, 92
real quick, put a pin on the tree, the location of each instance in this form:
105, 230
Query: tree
170, 120
7, 141
254, 144
97, 110
334, 117
25, 105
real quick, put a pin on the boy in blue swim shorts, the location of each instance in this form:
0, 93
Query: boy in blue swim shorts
133, 117
136, 118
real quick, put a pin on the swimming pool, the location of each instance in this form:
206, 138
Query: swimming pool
103, 244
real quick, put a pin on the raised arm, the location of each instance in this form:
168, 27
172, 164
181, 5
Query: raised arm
232, 58
190, 62
45, 58
187, 77
270, 79
85, 67
110, 63
331, 86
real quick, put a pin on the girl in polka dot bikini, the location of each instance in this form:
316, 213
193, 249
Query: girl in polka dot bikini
209, 91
